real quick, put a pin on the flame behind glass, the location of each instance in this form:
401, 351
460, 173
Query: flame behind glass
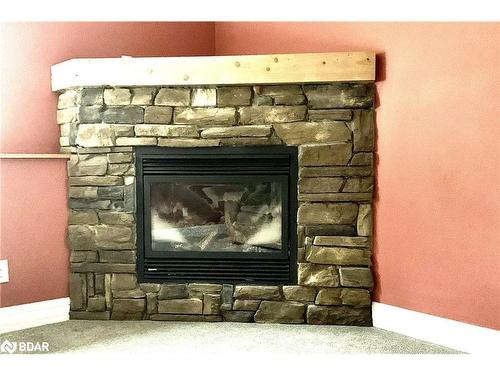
232, 217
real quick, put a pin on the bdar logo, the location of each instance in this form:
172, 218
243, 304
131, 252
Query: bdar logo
8, 347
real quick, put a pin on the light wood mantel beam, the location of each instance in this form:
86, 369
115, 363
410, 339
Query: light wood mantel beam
215, 70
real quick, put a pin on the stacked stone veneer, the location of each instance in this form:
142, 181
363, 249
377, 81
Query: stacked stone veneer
333, 126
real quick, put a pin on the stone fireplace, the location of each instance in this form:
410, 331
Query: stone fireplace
115, 132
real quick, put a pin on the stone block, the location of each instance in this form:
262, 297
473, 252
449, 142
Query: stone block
185, 318
327, 213
83, 192
283, 94
339, 315
123, 281
86, 315
133, 293
67, 115
246, 141
364, 221
205, 116
173, 291
83, 256
299, 293
338, 255
260, 100
103, 267
78, 291
280, 312
83, 217
114, 237
122, 256
117, 96
196, 290
124, 115
68, 98
203, 97
363, 126
180, 306
233, 96
97, 303
166, 131
323, 155
95, 135
317, 275
362, 158
119, 315
87, 165
356, 277
96, 181
257, 292
271, 114
121, 169
227, 297
93, 204
151, 303
237, 131
91, 96
300, 133
329, 114
120, 157
178, 142
123, 130
211, 304
142, 95
133, 141
90, 115
173, 97
81, 237
238, 316
329, 296
150, 287
340, 95
344, 241
158, 115
329, 230
335, 171
320, 184
116, 218
246, 305
355, 297
64, 141
132, 305
110, 192
358, 185
335, 197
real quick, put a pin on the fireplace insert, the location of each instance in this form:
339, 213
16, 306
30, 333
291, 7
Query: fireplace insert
223, 214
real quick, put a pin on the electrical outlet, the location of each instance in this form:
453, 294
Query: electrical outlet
4, 271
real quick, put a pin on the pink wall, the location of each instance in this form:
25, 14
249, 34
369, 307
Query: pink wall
33, 193
437, 228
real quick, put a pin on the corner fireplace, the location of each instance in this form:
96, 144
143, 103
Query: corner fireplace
184, 199
223, 215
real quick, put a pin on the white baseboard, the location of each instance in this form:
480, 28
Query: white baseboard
446, 332
14, 318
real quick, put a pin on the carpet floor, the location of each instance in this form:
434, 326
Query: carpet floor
145, 337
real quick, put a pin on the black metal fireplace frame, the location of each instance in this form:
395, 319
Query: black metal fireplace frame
268, 163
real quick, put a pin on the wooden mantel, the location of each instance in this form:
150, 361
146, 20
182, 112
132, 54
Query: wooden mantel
215, 70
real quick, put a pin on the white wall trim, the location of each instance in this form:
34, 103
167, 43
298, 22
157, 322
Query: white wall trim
450, 333
14, 318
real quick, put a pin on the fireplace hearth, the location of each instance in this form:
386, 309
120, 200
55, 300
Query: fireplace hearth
223, 215
197, 196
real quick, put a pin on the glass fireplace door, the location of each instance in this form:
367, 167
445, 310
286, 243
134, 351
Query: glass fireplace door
204, 216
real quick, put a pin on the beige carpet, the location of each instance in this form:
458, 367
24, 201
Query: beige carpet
146, 337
